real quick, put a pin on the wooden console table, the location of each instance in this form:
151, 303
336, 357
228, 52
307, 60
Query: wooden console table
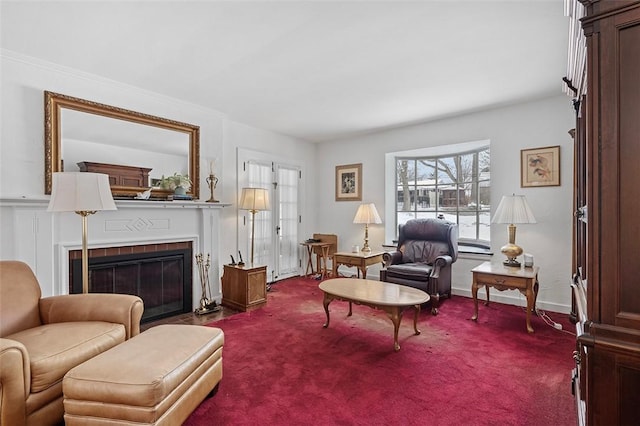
360, 260
496, 275
244, 288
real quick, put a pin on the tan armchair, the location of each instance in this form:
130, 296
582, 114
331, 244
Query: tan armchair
43, 338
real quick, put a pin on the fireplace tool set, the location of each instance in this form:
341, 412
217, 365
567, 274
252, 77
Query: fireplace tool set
207, 305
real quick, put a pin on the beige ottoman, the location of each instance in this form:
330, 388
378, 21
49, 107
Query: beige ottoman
156, 378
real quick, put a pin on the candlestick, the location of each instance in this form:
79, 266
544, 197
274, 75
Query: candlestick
212, 180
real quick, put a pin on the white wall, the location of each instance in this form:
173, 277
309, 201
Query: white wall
533, 124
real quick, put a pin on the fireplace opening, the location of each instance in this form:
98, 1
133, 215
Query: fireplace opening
162, 279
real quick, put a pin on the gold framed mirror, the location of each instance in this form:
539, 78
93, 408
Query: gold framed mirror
80, 132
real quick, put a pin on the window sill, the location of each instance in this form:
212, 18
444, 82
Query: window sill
471, 252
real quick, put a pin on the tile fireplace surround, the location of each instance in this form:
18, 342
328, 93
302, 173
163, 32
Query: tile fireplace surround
44, 240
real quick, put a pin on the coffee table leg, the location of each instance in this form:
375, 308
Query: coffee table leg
396, 316
415, 318
326, 302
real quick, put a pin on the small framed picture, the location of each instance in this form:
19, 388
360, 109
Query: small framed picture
349, 182
540, 167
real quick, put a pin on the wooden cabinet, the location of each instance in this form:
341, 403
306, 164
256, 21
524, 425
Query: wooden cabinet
607, 158
244, 288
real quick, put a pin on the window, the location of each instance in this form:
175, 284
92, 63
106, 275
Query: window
453, 186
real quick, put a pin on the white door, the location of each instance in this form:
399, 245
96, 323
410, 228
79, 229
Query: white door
276, 240
288, 220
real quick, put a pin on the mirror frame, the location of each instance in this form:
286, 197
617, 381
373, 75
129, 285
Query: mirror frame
55, 102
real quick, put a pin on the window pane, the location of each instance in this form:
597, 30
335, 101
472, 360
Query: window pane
484, 194
468, 167
447, 171
426, 171
449, 196
484, 164
470, 200
485, 226
425, 198
467, 225
405, 181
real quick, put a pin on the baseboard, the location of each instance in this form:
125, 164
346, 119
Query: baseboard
496, 296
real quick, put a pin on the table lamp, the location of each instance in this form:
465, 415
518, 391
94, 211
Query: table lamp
84, 193
513, 209
367, 214
254, 200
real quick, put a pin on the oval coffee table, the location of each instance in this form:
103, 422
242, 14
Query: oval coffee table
390, 298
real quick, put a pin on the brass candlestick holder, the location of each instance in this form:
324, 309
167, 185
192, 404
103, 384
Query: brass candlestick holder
212, 180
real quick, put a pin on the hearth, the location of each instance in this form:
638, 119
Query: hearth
161, 275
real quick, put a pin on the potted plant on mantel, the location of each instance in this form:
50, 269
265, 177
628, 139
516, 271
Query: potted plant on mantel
177, 183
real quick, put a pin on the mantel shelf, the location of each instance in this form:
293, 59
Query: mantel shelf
121, 204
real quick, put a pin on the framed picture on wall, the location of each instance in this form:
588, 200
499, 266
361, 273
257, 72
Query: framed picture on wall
540, 166
349, 182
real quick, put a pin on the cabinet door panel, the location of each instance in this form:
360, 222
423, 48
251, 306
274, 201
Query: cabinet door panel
629, 122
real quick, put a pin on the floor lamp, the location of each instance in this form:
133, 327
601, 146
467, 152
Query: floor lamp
513, 209
85, 194
254, 200
367, 214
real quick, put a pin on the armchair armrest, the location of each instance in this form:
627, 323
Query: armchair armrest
439, 263
391, 258
122, 309
15, 382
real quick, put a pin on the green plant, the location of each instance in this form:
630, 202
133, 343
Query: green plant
174, 181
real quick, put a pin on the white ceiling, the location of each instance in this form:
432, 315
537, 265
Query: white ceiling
317, 70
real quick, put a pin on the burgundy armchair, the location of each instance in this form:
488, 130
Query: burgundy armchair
426, 250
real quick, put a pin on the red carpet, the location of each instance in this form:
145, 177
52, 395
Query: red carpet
281, 367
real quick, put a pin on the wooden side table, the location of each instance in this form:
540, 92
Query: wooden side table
360, 260
498, 276
244, 288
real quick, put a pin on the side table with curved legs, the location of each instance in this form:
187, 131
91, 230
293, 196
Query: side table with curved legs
500, 277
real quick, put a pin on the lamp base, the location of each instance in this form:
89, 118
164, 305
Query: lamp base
512, 263
511, 251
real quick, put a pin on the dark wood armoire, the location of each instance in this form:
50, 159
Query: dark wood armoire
607, 225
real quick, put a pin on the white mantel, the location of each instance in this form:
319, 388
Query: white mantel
43, 240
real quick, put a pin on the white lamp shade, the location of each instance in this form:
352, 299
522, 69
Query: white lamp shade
80, 191
367, 213
256, 199
513, 209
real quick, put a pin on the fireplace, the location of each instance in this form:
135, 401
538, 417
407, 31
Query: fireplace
160, 274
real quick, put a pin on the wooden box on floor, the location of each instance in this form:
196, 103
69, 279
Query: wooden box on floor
244, 288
